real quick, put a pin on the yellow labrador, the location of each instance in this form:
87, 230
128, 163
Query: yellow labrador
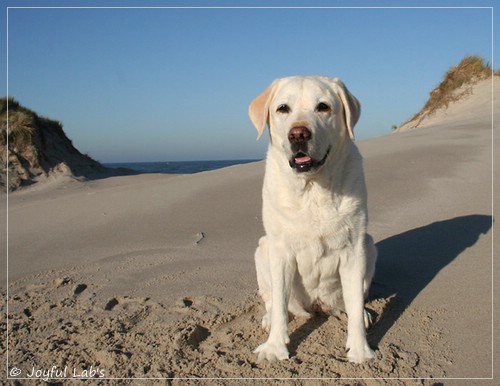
316, 254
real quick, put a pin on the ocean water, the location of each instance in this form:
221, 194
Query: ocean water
177, 167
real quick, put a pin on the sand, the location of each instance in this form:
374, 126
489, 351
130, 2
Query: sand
152, 276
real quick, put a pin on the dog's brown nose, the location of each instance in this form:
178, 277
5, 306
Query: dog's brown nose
299, 135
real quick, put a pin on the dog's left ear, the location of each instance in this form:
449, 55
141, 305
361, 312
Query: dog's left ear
352, 107
259, 108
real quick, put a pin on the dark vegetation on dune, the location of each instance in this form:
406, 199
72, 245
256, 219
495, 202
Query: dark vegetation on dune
33, 148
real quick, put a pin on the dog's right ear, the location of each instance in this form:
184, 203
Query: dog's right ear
259, 108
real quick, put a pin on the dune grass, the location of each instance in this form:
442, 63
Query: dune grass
457, 83
32, 145
22, 124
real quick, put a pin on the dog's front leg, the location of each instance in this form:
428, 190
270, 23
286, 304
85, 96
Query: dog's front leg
282, 269
352, 272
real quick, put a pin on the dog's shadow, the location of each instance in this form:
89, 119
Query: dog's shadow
409, 261
406, 264
301, 334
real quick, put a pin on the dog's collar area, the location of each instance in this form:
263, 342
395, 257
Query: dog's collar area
304, 163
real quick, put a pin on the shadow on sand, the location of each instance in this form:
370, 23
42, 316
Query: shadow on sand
409, 261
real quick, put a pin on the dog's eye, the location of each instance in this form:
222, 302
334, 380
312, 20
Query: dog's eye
323, 107
283, 109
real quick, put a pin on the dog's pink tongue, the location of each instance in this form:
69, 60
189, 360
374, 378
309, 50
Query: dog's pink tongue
303, 160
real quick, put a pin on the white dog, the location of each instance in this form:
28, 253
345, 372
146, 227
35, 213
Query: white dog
316, 255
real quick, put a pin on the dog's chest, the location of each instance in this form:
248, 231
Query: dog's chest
314, 223
318, 270
322, 222
321, 233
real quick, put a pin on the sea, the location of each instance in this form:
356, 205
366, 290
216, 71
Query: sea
177, 167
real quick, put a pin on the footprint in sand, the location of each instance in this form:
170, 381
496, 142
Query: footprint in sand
125, 302
79, 288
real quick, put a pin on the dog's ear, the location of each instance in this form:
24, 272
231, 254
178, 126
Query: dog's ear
352, 107
259, 108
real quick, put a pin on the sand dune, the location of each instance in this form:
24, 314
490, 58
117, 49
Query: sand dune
152, 276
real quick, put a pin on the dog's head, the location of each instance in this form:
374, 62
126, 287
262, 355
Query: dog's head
308, 118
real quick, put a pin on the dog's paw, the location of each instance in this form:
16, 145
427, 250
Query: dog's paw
296, 309
300, 313
368, 319
360, 353
266, 322
271, 351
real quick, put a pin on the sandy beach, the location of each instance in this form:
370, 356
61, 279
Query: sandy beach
152, 276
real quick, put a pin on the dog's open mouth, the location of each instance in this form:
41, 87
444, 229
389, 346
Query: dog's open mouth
303, 162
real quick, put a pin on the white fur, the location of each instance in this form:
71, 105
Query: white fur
316, 252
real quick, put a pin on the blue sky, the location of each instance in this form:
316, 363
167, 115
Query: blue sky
158, 84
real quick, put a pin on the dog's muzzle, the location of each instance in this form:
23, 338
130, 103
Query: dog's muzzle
302, 162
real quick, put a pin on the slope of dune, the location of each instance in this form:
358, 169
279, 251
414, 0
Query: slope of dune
466, 91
